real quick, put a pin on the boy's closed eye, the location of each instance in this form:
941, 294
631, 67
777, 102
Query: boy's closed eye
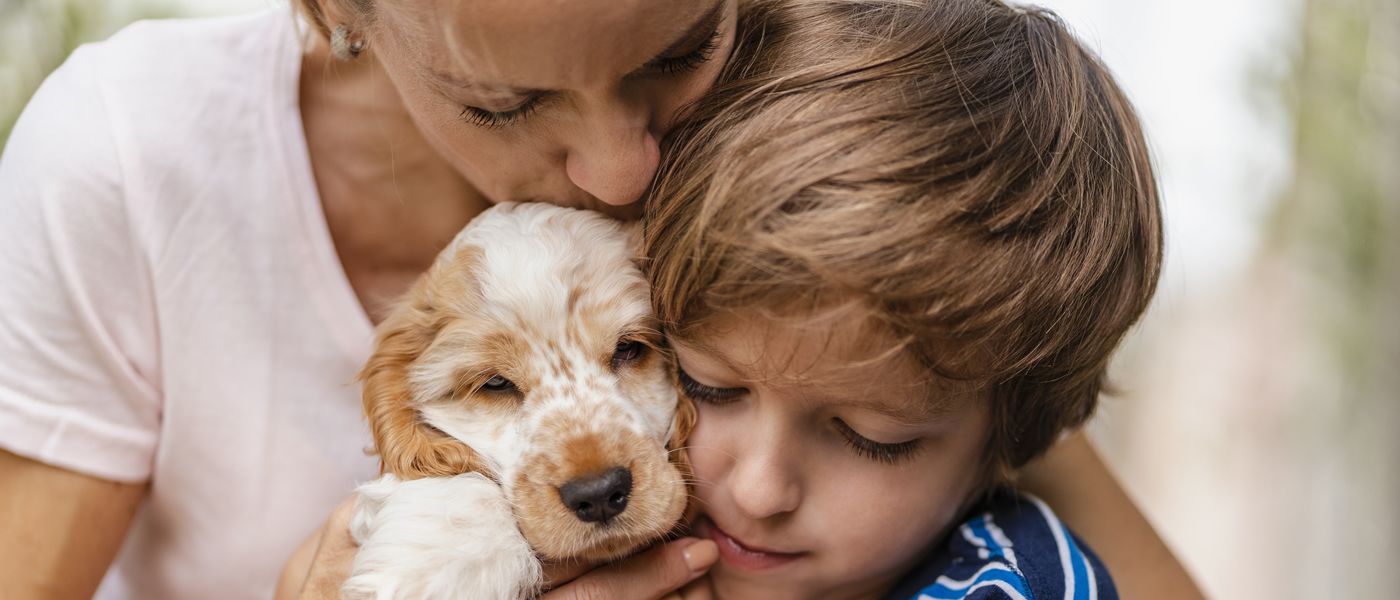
882, 452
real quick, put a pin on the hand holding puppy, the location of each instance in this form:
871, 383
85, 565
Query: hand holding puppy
322, 563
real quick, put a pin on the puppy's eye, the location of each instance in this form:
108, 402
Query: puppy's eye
627, 351
498, 384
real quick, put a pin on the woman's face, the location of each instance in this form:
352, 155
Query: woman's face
563, 102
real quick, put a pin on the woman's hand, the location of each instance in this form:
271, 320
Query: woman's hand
322, 564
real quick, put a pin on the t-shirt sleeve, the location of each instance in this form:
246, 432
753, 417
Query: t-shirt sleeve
78, 342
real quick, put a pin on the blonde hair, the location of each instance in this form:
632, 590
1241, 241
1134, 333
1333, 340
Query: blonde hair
965, 169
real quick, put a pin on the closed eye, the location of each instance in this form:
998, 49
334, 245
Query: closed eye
689, 61
873, 450
498, 384
482, 117
707, 394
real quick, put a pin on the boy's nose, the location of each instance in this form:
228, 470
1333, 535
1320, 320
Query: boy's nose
762, 488
599, 497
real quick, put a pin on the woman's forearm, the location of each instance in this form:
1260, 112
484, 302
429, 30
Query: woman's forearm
1076, 483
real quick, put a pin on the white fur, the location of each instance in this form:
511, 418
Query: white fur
458, 537
443, 537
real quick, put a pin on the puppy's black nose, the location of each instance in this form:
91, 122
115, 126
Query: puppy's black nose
597, 498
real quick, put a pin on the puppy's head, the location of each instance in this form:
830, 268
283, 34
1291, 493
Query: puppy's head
529, 353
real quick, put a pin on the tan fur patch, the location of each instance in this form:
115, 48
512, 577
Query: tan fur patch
407, 446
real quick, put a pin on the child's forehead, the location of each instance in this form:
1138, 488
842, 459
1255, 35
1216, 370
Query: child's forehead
838, 355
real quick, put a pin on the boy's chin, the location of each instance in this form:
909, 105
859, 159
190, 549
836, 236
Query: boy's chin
731, 584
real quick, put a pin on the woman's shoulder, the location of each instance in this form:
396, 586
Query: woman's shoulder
1011, 546
159, 117
149, 47
161, 109
168, 87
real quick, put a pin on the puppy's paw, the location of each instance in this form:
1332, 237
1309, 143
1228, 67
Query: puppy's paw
439, 538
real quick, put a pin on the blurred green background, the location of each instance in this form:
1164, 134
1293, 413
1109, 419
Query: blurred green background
1258, 424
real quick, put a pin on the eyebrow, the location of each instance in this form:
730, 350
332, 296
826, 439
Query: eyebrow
702, 26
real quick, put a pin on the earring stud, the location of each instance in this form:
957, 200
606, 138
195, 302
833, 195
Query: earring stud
344, 48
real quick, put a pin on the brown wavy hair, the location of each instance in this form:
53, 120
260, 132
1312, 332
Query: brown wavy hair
965, 169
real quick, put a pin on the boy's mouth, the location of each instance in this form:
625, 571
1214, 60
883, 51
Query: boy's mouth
742, 556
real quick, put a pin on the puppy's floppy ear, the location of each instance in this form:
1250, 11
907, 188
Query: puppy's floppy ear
633, 231
408, 447
681, 425
683, 422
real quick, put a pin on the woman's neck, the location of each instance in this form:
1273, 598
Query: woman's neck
390, 200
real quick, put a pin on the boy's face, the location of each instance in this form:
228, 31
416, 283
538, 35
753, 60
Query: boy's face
825, 466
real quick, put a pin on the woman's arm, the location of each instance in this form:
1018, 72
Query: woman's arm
1079, 487
60, 529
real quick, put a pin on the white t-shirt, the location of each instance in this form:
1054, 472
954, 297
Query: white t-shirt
172, 308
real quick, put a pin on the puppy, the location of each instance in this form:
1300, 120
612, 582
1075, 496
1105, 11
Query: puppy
522, 408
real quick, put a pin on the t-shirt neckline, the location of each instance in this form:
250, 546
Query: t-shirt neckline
337, 295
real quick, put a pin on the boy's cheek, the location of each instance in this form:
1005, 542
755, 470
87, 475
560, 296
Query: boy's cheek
703, 449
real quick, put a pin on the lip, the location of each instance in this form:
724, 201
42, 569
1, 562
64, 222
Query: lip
743, 556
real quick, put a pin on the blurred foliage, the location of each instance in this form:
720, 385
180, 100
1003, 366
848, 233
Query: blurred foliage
37, 35
1341, 217
1339, 225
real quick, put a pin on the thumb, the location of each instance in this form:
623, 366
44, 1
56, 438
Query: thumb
646, 576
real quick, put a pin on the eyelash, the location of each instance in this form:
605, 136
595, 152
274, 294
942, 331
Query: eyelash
876, 451
691, 61
670, 66
705, 393
492, 119
864, 447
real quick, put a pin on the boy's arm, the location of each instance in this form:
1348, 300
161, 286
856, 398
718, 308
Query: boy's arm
60, 529
1079, 487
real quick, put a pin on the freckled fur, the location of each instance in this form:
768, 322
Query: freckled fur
540, 295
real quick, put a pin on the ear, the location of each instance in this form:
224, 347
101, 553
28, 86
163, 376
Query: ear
408, 447
326, 15
632, 232
681, 425
683, 422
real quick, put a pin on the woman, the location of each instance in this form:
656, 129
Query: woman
203, 220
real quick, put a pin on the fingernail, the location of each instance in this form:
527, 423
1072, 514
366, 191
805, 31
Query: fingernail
701, 554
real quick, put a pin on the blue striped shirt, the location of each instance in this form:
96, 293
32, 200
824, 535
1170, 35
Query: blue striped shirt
1011, 547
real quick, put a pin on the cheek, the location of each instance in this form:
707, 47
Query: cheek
492, 160
708, 447
500, 165
887, 523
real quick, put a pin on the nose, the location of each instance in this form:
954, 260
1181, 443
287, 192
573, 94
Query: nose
597, 498
762, 487
616, 160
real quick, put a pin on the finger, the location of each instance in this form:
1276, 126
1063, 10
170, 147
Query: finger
647, 576
698, 590
560, 573
294, 573
334, 556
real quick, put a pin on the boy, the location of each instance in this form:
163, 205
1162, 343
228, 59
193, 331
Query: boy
894, 251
